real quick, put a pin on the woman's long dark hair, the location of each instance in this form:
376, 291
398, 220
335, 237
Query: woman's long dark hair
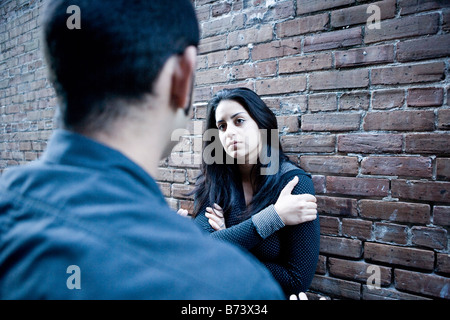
220, 182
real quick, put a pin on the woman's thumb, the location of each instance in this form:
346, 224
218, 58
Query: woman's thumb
290, 186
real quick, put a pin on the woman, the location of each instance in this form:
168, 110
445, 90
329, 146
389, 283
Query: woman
271, 213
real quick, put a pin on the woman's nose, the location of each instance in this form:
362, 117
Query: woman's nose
231, 132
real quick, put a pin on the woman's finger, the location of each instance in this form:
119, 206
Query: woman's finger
212, 216
214, 224
218, 210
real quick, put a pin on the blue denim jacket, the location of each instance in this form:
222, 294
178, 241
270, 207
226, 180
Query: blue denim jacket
85, 222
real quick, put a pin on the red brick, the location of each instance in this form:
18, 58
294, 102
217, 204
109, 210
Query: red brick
329, 225
202, 93
441, 216
187, 205
209, 76
215, 59
185, 160
302, 25
443, 168
247, 84
434, 143
192, 175
399, 121
253, 35
444, 119
165, 188
364, 56
434, 238
370, 143
421, 190
311, 62
388, 294
220, 9
319, 184
361, 229
336, 287
321, 265
330, 121
308, 143
417, 73
388, 232
341, 246
337, 206
356, 270
278, 48
308, 6
330, 164
395, 211
254, 70
424, 48
215, 26
446, 19
173, 203
421, 283
211, 44
354, 101
288, 123
403, 256
443, 263
332, 40
180, 191
275, 11
358, 14
281, 85
388, 99
326, 80
414, 6
398, 166
293, 104
171, 175
322, 102
411, 26
425, 97
358, 186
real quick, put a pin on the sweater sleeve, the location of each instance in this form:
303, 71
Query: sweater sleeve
248, 233
295, 269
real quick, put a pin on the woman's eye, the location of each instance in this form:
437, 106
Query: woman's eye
240, 120
221, 127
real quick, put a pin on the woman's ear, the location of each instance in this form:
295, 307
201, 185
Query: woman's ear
183, 78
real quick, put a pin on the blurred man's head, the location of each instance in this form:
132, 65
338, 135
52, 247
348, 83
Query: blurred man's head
112, 65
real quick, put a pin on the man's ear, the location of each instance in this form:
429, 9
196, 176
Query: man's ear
182, 78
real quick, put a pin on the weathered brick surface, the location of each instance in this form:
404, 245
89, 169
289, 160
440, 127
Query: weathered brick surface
364, 110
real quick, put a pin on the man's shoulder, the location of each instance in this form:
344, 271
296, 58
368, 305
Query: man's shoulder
128, 243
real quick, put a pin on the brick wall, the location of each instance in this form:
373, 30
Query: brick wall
365, 110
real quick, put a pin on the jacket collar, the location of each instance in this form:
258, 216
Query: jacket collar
73, 149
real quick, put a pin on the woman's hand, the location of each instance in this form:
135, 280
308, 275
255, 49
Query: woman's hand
294, 209
183, 212
215, 216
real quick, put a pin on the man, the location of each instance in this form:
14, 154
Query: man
87, 221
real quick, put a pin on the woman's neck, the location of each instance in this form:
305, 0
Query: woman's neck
246, 172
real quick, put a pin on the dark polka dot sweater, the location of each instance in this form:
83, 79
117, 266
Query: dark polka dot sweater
289, 252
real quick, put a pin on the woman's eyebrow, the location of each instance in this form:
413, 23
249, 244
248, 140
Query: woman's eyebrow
232, 117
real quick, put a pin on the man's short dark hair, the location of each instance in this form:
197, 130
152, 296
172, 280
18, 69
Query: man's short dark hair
115, 56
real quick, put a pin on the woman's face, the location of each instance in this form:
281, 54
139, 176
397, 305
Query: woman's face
238, 132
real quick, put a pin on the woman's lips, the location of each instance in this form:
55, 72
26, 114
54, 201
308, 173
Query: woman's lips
233, 145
